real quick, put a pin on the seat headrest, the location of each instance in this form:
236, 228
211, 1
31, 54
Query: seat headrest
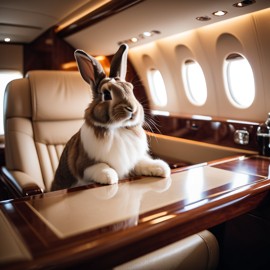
17, 101
58, 95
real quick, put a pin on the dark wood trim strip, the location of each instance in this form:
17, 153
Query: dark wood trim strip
21, 26
213, 130
111, 8
253, 165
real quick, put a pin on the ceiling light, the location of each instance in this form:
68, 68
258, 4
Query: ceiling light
147, 34
134, 40
144, 35
7, 39
244, 3
220, 13
203, 18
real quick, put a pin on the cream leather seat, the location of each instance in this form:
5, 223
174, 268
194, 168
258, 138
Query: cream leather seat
42, 111
196, 252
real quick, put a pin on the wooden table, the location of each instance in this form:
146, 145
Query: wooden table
108, 225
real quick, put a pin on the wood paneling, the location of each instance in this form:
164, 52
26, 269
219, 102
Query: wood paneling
216, 131
47, 52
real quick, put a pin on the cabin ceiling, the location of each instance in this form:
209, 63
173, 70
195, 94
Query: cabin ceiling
23, 21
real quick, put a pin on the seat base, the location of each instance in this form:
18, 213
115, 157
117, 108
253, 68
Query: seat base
199, 251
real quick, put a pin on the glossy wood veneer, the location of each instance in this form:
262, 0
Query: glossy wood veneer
116, 243
219, 131
255, 165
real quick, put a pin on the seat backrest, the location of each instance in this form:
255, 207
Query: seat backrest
41, 113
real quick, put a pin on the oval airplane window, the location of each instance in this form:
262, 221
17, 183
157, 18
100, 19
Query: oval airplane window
157, 87
239, 79
5, 77
194, 82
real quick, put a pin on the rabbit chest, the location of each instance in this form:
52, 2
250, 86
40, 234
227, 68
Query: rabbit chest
120, 148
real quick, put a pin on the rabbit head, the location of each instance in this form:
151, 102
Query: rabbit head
114, 104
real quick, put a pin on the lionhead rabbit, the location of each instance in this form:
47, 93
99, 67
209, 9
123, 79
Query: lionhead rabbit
112, 143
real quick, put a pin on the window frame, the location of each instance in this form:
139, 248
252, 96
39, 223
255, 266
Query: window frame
159, 97
192, 95
233, 96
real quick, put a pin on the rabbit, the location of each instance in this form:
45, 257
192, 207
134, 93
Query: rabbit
111, 144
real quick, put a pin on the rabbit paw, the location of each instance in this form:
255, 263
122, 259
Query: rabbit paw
107, 176
153, 168
101, 173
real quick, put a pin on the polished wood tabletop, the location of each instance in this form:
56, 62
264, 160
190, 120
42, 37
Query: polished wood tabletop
108, 225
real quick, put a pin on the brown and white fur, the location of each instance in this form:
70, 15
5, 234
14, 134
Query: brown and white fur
112, 143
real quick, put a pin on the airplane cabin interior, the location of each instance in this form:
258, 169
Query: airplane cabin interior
201, 72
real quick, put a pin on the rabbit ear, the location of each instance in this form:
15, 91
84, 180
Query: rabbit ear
90, 69
119, 63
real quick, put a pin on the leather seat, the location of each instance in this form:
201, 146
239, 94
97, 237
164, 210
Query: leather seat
41, 113
196, 252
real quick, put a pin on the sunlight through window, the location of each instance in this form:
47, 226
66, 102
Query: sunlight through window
239, 79
157, 87
5, 77
194, 82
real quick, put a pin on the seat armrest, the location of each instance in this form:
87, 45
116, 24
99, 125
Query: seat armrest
18, 183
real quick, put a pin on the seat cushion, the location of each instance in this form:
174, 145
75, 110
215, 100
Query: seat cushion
42, 112
58, 100
199, 251
58, 96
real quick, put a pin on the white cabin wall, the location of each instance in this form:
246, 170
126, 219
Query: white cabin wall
234, 36
152, 57
187, 47
209, 46
262, 24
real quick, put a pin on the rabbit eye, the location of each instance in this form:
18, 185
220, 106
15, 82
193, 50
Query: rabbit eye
107, 95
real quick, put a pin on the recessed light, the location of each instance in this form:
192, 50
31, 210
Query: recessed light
147, 34
7, 39
203, 18
134, 39
140, 37
220, 13
244, 3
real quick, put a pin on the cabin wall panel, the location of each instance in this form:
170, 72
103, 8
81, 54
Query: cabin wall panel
151, 57
48, 52
167, 52
209, 46
262, 25
184, 47
234, 36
